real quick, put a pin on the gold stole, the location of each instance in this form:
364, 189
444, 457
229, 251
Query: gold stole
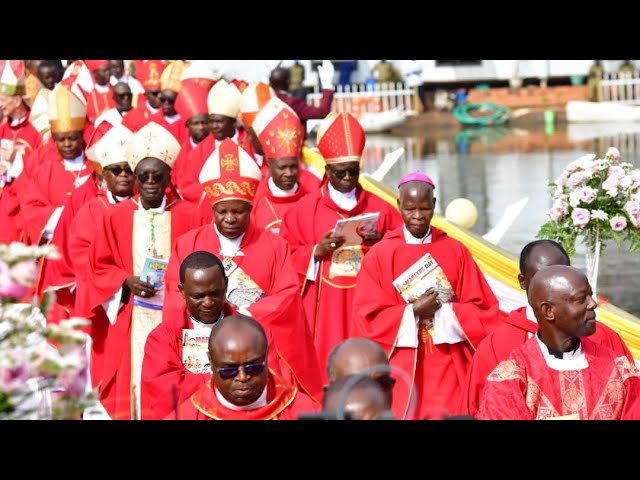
143, 320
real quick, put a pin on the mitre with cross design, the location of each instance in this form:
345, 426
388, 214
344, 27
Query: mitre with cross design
341, 138
279, 129
229, 174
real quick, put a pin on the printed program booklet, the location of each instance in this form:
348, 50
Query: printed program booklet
195, 343
153, 272
422, 276
346, 227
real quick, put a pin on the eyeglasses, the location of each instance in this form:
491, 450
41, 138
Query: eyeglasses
353, 172
115, 171
156, 177
253, 369
167, 100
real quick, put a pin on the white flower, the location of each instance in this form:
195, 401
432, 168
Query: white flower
599, 215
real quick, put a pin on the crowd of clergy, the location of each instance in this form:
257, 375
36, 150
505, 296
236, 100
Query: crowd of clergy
165, 169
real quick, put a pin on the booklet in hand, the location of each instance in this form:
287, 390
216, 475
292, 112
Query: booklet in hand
347, 227
153, 272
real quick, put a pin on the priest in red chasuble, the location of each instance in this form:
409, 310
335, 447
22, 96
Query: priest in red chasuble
521, 324
262, 282
422, 297
100, 97
327, 267
147, 104
167, 116
243, 386
132, 245
560, 373
281, 136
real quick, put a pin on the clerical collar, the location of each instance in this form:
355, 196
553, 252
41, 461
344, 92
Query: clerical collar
111, 198
102, 88
193, 144
260, 402
278, 192
157, 210
234, 138
346, 201
74, 164
173, 118
199, 324
17, 121
411, 240
229, 247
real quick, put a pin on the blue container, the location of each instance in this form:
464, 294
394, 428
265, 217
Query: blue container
370, 85
461, 96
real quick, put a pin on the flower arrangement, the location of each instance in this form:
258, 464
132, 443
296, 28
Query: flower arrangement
598, 200
43, 368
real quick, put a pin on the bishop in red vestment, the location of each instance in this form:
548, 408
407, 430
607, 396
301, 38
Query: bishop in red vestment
429, 336
560, 373
242, 385
262, 283
100, 97
521, 324
327, 267
132, 233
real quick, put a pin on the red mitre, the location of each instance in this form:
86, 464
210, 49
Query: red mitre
341, 138
229, 174
239, 84
149, 73
279, 129
192, 100
94, 65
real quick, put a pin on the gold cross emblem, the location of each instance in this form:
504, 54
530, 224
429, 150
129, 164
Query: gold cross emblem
229, 162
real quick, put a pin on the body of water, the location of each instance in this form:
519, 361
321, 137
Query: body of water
495, 167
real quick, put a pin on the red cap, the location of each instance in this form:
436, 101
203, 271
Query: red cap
149, 73
192, 100
94, 65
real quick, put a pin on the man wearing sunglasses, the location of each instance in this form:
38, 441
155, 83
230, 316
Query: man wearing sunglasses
167, 116
326, 268
262, 282
147, 104
243, 386
133, 233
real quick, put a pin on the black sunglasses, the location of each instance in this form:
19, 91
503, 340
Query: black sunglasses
115, 171
144, 177
167, 100
252, 370
353, 172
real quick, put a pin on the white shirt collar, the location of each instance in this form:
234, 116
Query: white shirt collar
229, 247
102, 88
17, 121
234, 138
575, 360
157, 210
199, 324
150, 108
193, 144
411, 240
346, 201
74, 164
111, 198
278, 192
260, 402
173, 118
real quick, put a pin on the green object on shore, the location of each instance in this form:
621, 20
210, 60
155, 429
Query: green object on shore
483, 86
549, 117
499, 116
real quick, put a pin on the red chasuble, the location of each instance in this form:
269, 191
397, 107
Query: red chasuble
188, 184
111, 262
182, 162
328, 301
269, 210
266, 260
97, 103
27, 139
163, 372
516, 330
136, 118
178, 128
306, 180
438, 371
49, 189
524, 387
284, 402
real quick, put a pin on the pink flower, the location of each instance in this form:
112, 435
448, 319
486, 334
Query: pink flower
25, 272
632, 207
580, 217
587, 194
556, 213
611, 183
8, 287
613, 154
575, 179
618, 223
617, 172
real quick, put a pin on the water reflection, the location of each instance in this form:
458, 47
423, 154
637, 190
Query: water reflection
494, 167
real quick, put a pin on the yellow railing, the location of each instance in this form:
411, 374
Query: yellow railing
492, 260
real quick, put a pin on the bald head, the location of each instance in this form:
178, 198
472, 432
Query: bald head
416, 204
356, 355
563, 303
237, 329
279, 78
537, 255
357, 395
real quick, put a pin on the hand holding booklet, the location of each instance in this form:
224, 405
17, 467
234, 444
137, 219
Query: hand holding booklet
152, 272
421, 277
347, 227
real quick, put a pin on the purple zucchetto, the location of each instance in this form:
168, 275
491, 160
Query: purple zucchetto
416, 177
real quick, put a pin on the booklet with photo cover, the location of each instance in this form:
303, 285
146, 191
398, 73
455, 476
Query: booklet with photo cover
422, 276
195, 345
153, 272
346, 227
